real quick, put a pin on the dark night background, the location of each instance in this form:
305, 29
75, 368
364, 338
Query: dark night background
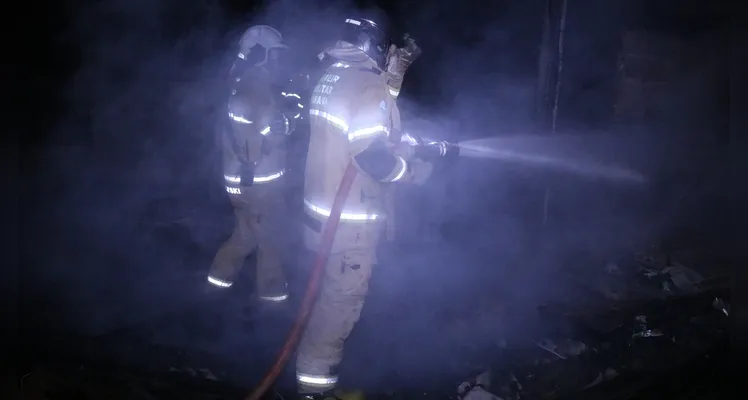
509, 31
123, 146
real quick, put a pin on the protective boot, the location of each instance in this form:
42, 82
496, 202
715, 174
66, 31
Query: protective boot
335, 394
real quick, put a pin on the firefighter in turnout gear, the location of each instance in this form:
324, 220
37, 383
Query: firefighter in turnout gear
260, 117
354, 119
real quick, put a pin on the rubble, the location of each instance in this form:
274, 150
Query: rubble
657, 316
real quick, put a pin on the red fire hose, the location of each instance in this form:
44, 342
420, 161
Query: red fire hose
328, 235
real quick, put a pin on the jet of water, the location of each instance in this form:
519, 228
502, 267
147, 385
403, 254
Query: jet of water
564, 153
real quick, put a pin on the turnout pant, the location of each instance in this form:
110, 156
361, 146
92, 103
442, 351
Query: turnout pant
338, 307
259, 224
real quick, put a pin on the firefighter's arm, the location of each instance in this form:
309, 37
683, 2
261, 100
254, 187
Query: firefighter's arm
379, 162
399, 61
372, 152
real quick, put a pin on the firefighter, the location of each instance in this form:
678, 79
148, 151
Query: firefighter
354, 119
259, 119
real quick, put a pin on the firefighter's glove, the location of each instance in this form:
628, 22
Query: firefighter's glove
404, 150
280, 124
420, 171
411, 51
401, 58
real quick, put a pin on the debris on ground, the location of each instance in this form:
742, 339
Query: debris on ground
657, 317
475, 389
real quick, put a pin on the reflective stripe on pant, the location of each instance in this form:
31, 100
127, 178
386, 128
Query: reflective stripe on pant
338, 308
258, 214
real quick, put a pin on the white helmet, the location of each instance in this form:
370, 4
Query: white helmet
266, 37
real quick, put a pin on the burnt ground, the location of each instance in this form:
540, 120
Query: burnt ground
122, 285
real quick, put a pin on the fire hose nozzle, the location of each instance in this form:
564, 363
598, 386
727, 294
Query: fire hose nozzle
434, 151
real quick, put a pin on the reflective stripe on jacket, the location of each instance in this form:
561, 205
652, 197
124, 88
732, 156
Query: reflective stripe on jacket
350, 109
251, 111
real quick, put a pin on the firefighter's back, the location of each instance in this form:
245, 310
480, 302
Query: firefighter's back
333, 102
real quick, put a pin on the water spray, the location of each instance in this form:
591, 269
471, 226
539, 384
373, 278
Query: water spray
533, 151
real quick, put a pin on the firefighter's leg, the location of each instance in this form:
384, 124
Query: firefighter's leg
269, 229
237, 248
338, 308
